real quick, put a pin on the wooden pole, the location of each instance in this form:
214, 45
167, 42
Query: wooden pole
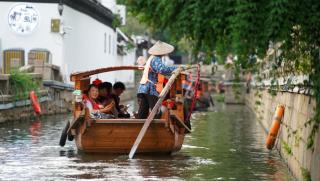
155, 110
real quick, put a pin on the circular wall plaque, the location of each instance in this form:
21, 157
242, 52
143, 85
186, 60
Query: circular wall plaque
23, 18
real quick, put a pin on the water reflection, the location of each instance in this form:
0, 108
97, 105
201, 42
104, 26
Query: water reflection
34, 130
226, 144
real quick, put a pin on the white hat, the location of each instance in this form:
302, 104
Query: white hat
161, 48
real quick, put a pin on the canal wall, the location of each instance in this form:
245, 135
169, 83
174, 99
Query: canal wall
52, 101
304, 163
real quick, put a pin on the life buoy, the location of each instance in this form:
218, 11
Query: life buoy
35, 103
64, 135
275, 126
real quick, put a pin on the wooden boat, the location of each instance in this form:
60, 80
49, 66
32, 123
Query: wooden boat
165, 135
204, 99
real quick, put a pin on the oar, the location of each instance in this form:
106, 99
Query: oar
154, 111
156, 107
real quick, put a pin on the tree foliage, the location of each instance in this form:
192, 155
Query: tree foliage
133, 26
244, 28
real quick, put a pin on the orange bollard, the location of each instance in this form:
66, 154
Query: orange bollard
275, 126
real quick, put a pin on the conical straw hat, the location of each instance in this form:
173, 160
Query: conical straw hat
161, 48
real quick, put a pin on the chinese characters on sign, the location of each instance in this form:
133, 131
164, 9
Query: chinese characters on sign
23, 18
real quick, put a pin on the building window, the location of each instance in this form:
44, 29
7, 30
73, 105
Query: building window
114, 46
109, 44
105, 43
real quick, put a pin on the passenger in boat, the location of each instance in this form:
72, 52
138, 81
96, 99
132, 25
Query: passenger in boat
106, 100
117, 90
147, 92
105, 89
91, 102
187, 87
90, 99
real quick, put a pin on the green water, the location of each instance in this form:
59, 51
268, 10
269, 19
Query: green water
226, 144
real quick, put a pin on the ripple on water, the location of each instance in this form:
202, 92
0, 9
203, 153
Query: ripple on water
3, 151
194, 147
202, 161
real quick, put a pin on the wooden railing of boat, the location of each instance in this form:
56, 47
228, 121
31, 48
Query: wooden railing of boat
79, 75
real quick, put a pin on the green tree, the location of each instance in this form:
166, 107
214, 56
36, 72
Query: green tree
244, 28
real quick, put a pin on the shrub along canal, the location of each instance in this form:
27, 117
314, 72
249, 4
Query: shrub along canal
226, 144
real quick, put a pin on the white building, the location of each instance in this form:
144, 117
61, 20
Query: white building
125, 56
79, 37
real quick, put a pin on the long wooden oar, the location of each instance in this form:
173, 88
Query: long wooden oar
156, 107
154, 111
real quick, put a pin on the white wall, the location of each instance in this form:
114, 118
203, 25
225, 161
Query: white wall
126, 76
41, 37
89, 45
111, 4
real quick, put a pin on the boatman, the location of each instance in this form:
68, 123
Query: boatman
147, 92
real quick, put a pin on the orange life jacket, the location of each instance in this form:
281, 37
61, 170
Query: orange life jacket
160, 83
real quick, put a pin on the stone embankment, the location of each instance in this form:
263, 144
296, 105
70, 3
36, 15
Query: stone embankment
304, 163
53, 95
52, 101
292, 142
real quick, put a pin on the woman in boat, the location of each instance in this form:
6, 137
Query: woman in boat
147, 92
90, 99
97, 110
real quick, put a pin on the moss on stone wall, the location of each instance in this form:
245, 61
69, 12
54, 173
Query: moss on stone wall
305, 174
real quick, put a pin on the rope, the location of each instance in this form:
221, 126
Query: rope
194, 99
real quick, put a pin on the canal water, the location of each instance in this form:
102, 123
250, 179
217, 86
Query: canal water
226, 144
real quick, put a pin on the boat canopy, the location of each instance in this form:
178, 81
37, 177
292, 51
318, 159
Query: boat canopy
80, 75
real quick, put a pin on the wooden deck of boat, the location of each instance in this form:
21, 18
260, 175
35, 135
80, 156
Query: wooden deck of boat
118, 136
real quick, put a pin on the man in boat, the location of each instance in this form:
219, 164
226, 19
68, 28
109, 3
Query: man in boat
117, 90
147, 92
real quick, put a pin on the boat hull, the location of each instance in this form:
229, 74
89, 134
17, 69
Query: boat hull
109, 136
